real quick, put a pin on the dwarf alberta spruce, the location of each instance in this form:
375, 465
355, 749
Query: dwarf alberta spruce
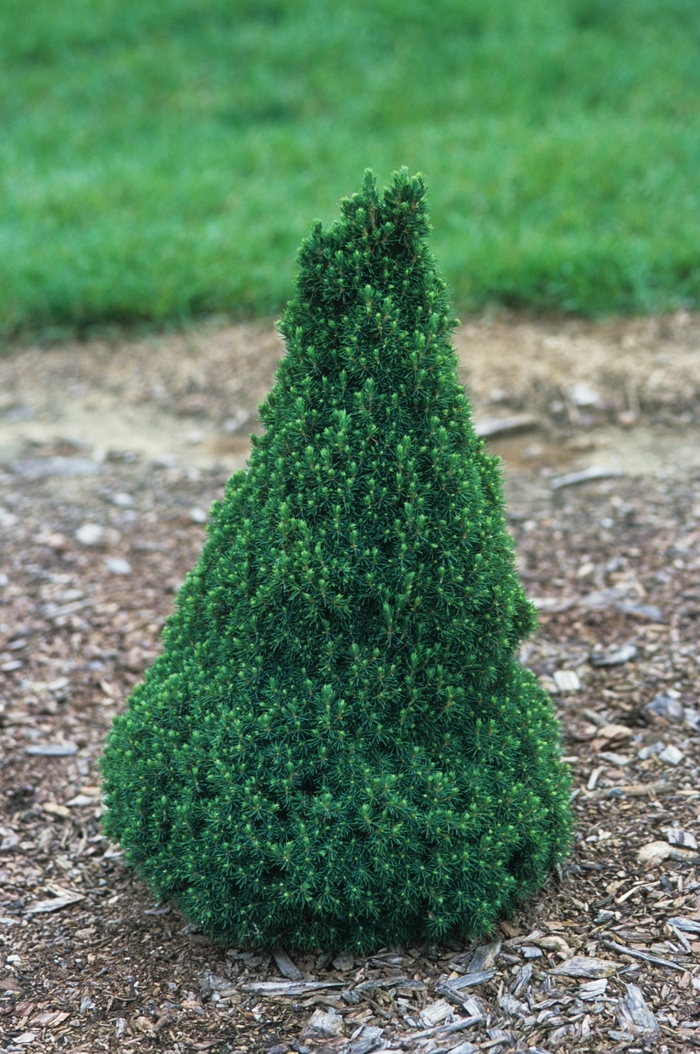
337, 747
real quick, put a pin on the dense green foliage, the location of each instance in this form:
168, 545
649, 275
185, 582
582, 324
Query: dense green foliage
160, 160
337, 746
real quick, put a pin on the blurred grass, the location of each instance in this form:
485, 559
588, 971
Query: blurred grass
161, 160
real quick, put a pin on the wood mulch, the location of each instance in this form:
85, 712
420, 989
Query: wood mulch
91, 962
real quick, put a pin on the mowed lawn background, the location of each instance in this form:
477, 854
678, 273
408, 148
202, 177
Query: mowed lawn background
162, 159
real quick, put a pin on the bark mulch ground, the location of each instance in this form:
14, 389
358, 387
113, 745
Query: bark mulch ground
605, 959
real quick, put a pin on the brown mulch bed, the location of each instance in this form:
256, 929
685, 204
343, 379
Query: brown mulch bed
91, 962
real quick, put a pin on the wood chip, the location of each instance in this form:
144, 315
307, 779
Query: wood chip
467, 980
464, 1048
435, 1013
614, 656
654, 852
269, 988
49, 1019
677, 836
593, 990
567, 680
634, 1014
634, 953
484, 958
636, 790
553, 943
522, 980
671, 755
52, 750
453, 1026
490, 427
61, 899
379, 982
615, 732
286, 967
686, 925
587, 475
324, 1023
54, 808
594, 717
585, 966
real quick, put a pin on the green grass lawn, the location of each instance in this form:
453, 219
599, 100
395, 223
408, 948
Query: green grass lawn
160, 160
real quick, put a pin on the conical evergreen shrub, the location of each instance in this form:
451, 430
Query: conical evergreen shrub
337, 747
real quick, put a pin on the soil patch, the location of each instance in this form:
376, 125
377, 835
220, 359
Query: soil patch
193, 397
95, 543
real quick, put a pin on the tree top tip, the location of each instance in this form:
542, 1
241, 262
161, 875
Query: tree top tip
403, 202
